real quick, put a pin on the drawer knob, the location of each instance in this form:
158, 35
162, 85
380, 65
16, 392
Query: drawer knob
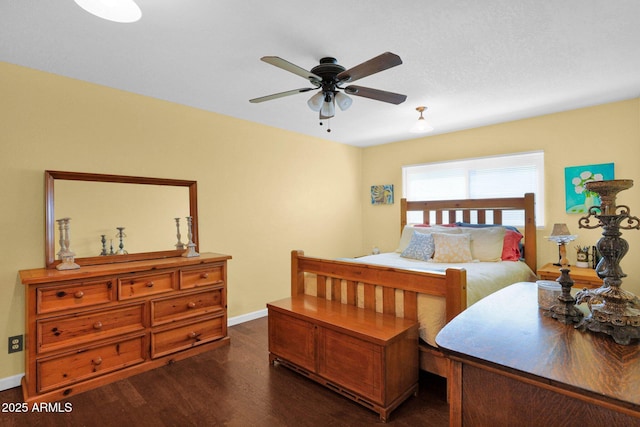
193, 335
97, 361
78, 295
149, 284
191, 305
204, 276
97, 325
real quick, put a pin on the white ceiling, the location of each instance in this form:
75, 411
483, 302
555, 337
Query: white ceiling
471, 62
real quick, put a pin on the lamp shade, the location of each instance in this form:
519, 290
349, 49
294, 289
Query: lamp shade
315, 102
421, 126
561, 234
343, 101
328, 109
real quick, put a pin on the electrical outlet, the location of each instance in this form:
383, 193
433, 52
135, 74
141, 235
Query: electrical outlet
15, 344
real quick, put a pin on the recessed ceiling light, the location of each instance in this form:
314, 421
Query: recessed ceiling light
124, 11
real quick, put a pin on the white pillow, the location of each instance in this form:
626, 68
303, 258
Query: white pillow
486, 242
452, 247
407, 233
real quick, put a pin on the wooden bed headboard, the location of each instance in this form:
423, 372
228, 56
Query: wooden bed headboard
446, 211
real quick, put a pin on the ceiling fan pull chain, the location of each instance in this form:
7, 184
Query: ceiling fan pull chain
328, 125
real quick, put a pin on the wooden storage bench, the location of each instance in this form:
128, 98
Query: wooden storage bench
369, 357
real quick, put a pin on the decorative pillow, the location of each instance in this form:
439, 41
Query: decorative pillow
452, 247
511, 247
407, 233
486, 242
421, 247
471, 225
506, 227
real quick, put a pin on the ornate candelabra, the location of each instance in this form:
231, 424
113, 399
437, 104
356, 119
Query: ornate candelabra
614, 311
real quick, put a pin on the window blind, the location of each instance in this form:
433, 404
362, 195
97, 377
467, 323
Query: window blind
480, 178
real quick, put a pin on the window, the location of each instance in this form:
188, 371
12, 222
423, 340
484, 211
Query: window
502, 176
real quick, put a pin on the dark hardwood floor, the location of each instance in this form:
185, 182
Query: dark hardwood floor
232, 386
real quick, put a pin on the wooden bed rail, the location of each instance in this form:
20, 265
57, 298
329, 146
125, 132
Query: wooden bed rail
450, 284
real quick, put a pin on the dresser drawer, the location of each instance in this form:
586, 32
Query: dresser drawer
187, 306
137, 286
76, 295
188, 335
65, 331
202, 276
82, 365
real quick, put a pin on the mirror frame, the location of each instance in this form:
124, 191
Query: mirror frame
50, 224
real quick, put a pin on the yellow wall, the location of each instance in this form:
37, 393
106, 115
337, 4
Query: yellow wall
259, 195
601, 134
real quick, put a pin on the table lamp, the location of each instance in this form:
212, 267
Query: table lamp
561, 235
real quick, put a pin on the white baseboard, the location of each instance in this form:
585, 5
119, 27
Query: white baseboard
14, 381
10, 382
246, 317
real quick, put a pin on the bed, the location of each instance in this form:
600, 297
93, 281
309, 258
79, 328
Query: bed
428, 291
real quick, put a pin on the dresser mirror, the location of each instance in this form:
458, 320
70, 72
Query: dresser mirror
97, 205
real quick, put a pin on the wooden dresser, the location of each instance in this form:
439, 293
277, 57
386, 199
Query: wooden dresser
511, 365
98, 324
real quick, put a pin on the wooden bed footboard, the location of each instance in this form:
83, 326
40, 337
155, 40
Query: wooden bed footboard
332, 275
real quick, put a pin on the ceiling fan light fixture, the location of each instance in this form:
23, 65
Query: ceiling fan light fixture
315, 102
343, 101
421, 126
124, 11
328, 107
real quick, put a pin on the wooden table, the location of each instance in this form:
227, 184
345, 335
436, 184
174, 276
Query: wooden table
582, 277
511, 365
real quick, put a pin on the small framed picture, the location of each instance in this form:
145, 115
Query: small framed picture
382, 194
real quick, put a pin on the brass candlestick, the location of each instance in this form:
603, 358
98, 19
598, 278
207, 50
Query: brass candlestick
614, 311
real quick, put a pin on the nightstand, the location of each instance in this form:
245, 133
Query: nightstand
582, 277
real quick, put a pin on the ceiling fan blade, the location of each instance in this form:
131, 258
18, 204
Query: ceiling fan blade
377, 94
292, 68
281, 95
372, 66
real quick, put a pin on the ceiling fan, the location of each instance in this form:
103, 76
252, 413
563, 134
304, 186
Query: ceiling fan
330, 77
